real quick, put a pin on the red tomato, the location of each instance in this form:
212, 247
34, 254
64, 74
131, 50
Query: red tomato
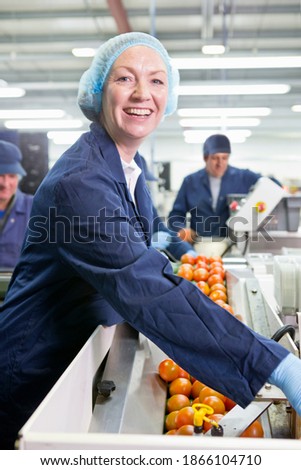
168, 370
209, 392
186, 430
176, 402
254, 430
187, 258
204, 287
201, 264
214, 278
215, 258
200, 274
202, 257
183, 374
217, 270
186, 271
180, 386
185, 416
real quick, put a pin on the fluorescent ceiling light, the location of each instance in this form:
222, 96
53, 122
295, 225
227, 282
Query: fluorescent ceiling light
241, 122
213, 49
200, 112
11, 92
263, 89
83, 52
296, 108
31, 113
237, 62
44, 124
198, 137
64, 138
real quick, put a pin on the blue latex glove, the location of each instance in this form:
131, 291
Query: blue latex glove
192, 253
287, 376
161, 240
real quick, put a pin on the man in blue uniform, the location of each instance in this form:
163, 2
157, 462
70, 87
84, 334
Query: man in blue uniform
203, 194
15, 206
88, 261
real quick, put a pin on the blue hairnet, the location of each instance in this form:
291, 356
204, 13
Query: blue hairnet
92, 81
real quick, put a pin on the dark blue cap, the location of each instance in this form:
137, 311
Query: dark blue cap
216, 143
10, 159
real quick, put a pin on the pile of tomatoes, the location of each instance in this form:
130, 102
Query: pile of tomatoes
209, 274
183, 392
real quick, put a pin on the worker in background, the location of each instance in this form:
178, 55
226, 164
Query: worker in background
15, 206
88, 260
203, 194
164, 239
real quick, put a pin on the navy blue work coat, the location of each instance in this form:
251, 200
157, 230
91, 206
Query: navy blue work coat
194, 198
87, 261
12, 235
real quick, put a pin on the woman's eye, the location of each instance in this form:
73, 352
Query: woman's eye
123, 79
158, 81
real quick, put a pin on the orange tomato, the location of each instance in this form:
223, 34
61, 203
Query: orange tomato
185, 416
216, 403
216, 264
229, 308
180, 386
204, 287
176, 402
200, 274
187, 258
215, 258
218, 294
219, 286
215, 417
214, 278
196, 388
171, 432
168, 370
254, 430
201, 264
186, 271
229, 404
217, 270
209, 392
170, 422
220, 302
186, 430
202, 257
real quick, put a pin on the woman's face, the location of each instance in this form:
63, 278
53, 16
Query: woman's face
135, 95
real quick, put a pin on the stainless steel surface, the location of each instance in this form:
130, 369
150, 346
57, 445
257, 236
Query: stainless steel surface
138, 403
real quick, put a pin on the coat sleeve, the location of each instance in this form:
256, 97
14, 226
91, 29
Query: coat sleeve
177, 216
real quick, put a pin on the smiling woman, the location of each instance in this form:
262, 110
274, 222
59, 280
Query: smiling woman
102, 269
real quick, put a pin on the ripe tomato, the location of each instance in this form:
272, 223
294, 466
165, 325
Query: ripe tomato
220, 302
186, 271
168, 370
202, 257
200, 274
208, 392
170, 422
204, 287
229, 404
216, 403
215, 258
180, 385
218, 286
215, 417
187, 258
196, 388
176, 402
217, 270
254, 430
185, 416
186, 430
201, 264
218, 294
239, 317
214, 278
216, 264
183, 374
229, 308
172, 431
